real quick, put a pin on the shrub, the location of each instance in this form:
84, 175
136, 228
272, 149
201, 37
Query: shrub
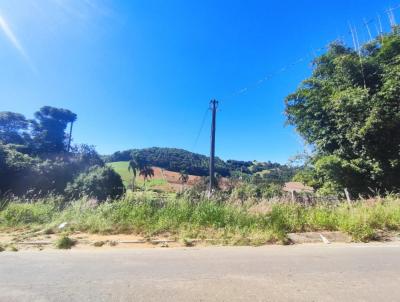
26, 213
13, 248
65, 242
99, 182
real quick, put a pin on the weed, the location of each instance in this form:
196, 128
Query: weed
188, 242
150, 214
65, 242
49, 231
13, 248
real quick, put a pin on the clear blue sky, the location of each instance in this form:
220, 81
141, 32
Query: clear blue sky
141, 73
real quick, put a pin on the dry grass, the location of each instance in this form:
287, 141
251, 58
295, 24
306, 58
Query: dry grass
150, 215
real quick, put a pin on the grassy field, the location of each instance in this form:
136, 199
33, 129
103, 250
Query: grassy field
121, 167
149, 214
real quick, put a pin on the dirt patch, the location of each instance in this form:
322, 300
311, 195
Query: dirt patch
39, 240
173, 183
28, 240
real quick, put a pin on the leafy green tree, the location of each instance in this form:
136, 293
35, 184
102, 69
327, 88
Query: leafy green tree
24, 174
15, 169
98, 182
13, 128
349, 111
85, 156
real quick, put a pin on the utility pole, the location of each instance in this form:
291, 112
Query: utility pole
214, 105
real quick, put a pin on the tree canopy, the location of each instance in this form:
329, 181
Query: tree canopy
49, 129
349, 111
34, 160
13, 127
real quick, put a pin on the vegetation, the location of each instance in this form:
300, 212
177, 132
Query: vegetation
134, 167
229, 222
36, 158
183, 178
178, 160
98, 182
349, 111
122, 168
65, 243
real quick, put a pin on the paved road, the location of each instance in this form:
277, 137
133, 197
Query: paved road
272, 273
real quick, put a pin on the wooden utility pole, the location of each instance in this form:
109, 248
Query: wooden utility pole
214, 105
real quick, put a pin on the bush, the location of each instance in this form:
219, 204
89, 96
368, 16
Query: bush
99, 182
26, 213
26, 174
65, 243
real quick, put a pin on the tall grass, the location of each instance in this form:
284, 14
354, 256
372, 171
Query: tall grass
149, 215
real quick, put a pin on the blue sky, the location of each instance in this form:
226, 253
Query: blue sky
141, 73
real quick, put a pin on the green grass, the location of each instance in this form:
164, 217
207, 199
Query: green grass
121, 167
21, 214
148, 214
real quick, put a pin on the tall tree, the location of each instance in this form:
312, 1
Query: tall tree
349, 110
49, 129
13, 127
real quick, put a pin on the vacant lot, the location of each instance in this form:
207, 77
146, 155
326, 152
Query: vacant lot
151, 215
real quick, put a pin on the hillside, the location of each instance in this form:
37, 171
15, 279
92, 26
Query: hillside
163, 180
177, 160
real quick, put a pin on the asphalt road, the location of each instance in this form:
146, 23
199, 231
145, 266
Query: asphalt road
273, 273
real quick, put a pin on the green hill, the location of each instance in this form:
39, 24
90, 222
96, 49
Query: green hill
121, 167
178, 160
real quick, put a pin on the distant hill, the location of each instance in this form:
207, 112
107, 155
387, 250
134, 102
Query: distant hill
177, 160
163, 180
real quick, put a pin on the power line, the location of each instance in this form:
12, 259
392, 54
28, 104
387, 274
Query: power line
270, 76
200, 129
356, 44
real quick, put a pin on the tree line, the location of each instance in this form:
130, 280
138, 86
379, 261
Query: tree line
37, 158
179, 160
